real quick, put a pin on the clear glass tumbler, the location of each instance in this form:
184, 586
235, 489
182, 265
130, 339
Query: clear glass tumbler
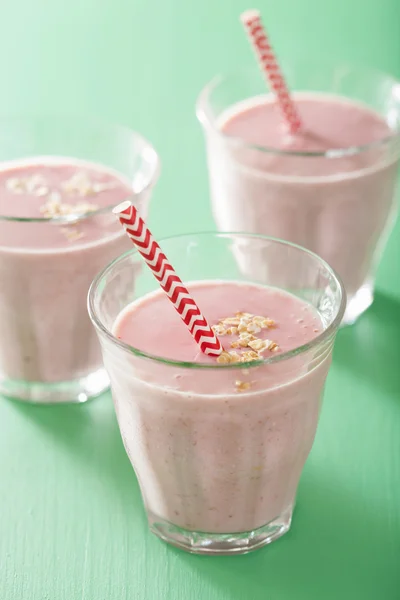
48, 349
340, 203
218, 471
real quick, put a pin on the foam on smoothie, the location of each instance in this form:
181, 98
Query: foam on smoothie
152, 324
48, 187
330, 122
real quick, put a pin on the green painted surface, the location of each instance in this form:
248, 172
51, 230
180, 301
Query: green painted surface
71, 522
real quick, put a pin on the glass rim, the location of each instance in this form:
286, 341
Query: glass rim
203, 105
326, 333
73, 218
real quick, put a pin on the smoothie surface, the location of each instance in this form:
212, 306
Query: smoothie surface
268, 319
330, 122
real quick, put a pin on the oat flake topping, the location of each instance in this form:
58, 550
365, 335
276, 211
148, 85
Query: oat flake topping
250, 347
79, 184
245, 325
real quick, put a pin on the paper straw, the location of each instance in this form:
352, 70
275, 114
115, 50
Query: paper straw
251, 20
169, 281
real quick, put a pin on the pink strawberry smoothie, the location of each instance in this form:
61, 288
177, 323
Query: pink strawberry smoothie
219, 449
339, 206
46, 266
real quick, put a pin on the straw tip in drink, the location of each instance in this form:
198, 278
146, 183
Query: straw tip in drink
249, 15
122, 207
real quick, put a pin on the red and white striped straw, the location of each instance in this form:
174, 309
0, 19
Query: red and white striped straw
251, 20
165, 274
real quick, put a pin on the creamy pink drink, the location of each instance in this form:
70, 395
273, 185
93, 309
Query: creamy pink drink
336, 208
46, 267
220, 452
218, 444
330, 188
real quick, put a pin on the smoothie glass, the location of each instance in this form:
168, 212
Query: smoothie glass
218, 471
340, 203
48, 349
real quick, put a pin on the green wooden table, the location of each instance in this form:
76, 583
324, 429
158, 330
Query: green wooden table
72, 525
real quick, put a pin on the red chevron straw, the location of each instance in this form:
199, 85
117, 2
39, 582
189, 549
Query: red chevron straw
251, 20
172, 285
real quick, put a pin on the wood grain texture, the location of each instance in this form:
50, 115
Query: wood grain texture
72, 526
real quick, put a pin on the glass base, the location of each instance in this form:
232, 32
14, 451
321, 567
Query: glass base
198, 542
76, 391
358, 303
